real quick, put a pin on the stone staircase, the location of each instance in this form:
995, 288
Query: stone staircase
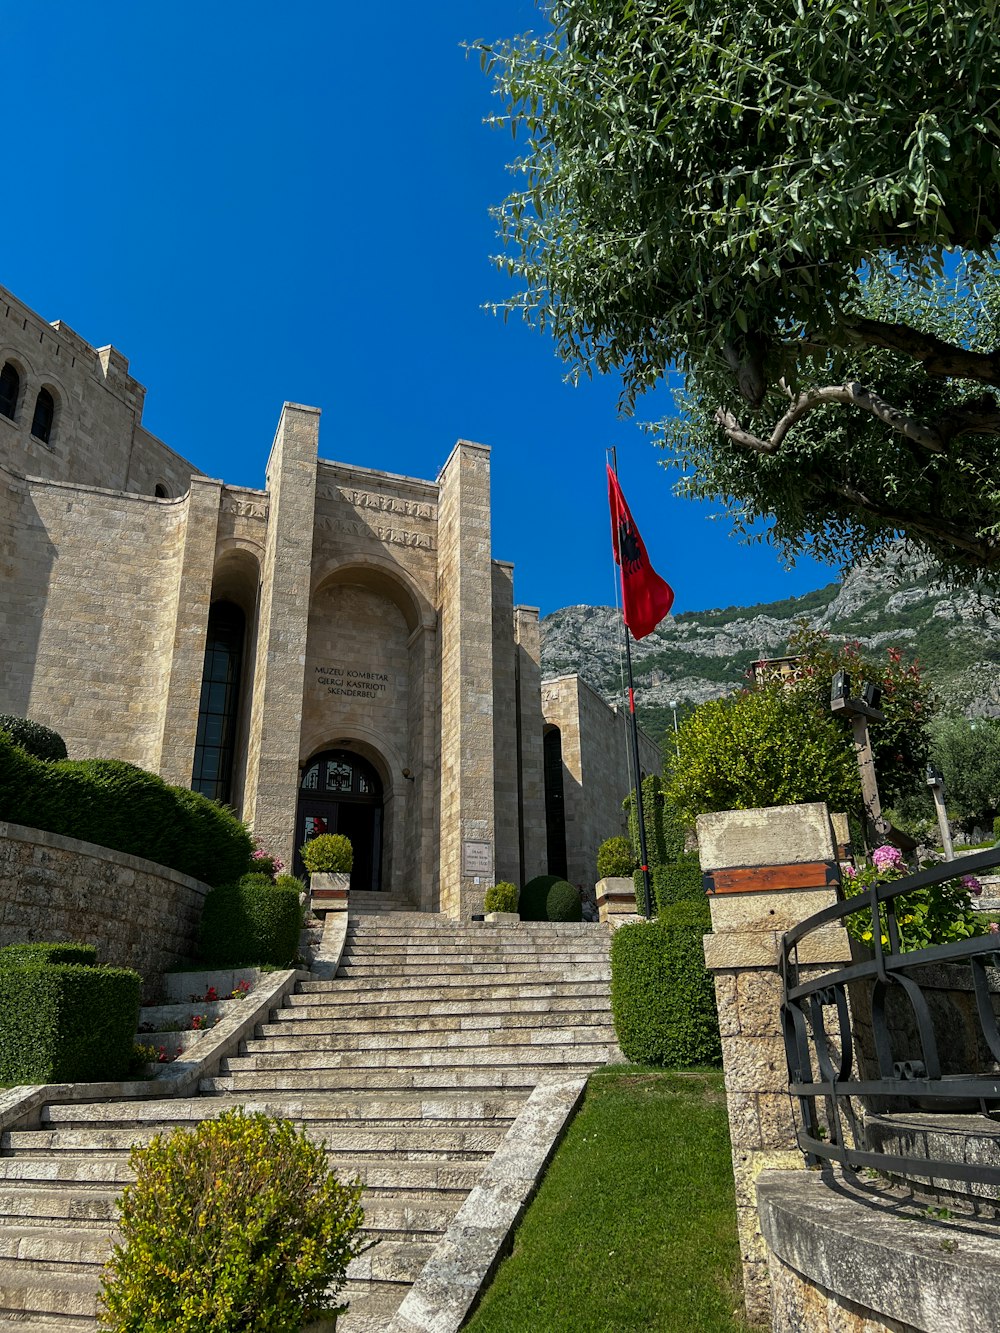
411, 1065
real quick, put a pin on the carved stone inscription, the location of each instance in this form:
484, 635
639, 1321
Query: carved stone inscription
353, 682
395, 536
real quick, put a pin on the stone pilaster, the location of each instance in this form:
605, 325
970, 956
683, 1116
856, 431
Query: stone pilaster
505, 726
276, 709
531, 784
744, 854
465, 581
194, 595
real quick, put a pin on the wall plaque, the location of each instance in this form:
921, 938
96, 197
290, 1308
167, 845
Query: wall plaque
354, 682
477, 858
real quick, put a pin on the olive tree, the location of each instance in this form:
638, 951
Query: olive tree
794, 207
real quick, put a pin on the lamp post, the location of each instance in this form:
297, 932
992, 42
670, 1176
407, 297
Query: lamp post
677, 743
935, 780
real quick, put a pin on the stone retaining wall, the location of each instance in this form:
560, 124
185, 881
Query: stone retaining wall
137, 914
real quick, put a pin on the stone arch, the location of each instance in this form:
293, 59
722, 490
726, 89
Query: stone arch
384, 576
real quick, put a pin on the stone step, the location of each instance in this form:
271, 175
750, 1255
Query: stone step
464, 1017
332, 994
484, 1080
372, 1306
317, 1110
469, 974
29, 1293
585, 1046
293, 1041
514, 960
404, 1142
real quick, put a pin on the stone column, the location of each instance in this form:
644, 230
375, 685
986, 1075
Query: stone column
272, 779
766, 870
465, 581
194, 597
531, 783
507, 864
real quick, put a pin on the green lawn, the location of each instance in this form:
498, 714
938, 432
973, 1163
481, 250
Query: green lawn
634, 1225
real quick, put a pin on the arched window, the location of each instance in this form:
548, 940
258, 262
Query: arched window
10, 387
212, 774
45, 410
555, 802
160, 491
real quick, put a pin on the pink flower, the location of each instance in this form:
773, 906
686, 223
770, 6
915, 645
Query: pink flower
972, 884
849, 871
887, 858
994, 928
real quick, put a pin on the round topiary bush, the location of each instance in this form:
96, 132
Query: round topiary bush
328, 854
237, 1224
501, 897
42, 742
662, 995
615, 858
550, 898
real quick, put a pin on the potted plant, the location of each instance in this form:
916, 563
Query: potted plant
329, 859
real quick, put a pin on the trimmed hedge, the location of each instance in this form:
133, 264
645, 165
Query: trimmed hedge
42, 742
678, 882
549, 898
117, 805
251, 922
662, 995
501, 897
66, 1022
615, 858
23, 955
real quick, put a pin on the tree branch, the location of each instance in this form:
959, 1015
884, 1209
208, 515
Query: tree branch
941, 359
855, 395
984, 549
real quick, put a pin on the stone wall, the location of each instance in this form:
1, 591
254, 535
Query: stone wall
97, 438
596, 753
136, 913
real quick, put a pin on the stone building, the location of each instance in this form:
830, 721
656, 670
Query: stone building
337, 650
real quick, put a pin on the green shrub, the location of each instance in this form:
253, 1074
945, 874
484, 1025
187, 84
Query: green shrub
662, 996
23, 955
501, 897
549, 898
664, 827
237, 1224
678, 882
66, 1022
289, 882
328, 854
615, 858
42, 742
117, 805
251, 922
996, 828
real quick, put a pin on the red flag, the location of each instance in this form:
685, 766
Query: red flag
646, 598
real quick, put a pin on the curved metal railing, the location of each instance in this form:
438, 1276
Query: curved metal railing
824, 1061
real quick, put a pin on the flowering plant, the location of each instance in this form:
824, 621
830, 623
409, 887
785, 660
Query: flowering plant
201, 1023
210, 996
241, 991
940, 914
263, 863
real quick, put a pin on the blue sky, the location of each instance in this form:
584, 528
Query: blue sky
263, 202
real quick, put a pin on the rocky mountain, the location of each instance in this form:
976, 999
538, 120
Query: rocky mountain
892, 601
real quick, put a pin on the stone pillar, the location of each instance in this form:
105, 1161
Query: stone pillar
616, 900
531, 783
465, 581
507, 864
766, 870
194, 595
272, 779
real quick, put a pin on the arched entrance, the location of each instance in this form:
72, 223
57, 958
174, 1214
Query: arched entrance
342, 793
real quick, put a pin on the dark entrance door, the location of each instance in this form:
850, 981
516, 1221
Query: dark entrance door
342, 793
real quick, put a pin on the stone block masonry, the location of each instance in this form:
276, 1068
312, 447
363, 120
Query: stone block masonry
136, 914
752, 850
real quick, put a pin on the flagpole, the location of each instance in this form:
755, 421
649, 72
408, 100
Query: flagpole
640, 812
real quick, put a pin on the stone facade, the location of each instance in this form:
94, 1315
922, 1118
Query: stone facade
377, 627
135, 913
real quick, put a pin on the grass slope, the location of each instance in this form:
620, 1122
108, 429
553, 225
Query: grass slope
634, 1225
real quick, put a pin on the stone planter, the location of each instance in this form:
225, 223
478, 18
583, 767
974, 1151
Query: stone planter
329, 892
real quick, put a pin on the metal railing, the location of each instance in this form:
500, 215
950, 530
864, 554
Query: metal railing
825, 1063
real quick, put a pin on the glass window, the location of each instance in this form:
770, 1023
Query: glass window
338, 776
220, 697
45, 410
10, 387
311, 780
